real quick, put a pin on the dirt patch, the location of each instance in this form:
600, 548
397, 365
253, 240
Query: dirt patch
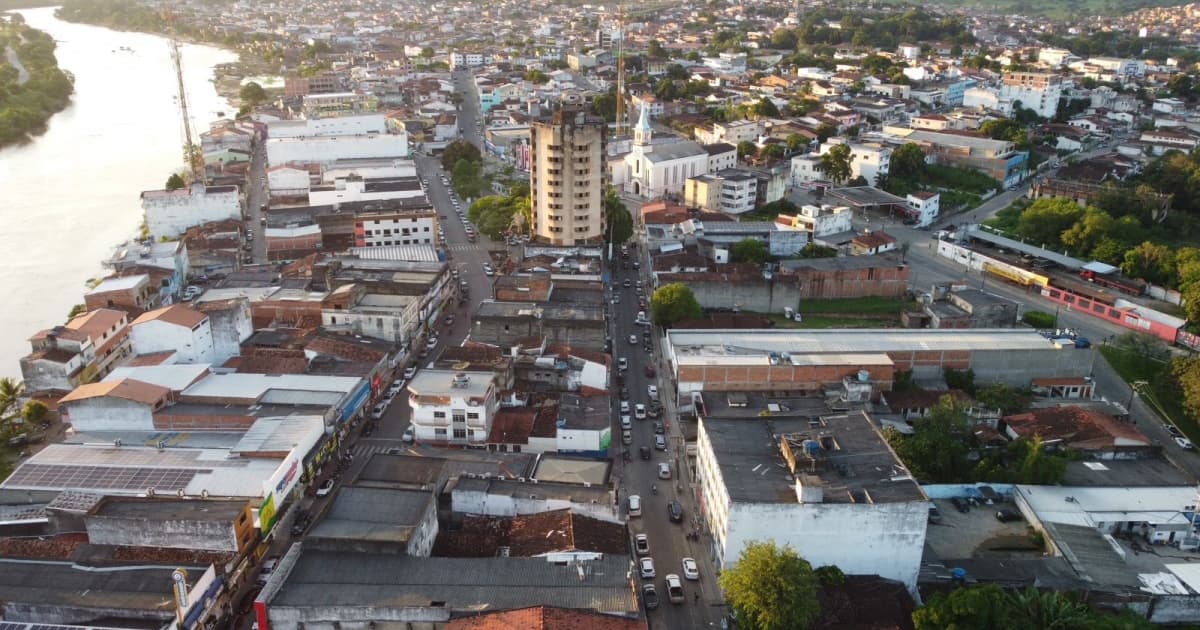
1006, 545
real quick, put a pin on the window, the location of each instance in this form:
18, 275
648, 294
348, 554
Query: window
440, 415
439, 433
460, 434
473, 415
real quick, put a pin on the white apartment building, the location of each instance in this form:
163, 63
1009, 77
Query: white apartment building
392, 318
1038, 91
925, 206
731, 132
868, 160
415, 227
819, 221
806, 168
829, 488
177, 328
730, 191
469, 59
451, 407
355, 188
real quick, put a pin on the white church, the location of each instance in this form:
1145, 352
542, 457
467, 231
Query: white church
653, 170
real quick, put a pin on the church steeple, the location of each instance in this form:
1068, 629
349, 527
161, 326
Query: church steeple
642, 133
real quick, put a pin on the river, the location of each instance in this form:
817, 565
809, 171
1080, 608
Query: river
71, 195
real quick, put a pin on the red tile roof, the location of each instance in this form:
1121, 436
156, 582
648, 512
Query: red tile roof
1077, 428
544, 618
177, 314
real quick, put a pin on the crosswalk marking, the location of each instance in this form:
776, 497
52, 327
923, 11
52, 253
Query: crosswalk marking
464, 247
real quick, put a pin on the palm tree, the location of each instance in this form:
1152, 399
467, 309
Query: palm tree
10, 392
1049, 610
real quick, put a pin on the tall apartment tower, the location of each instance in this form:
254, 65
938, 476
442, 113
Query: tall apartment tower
566, 176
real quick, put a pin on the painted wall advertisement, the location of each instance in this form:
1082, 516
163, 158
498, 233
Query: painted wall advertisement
276, 490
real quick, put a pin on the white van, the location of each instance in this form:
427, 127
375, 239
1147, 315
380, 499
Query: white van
635, 505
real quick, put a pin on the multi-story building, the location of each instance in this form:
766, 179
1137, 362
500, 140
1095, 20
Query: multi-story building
654, 169
1038, 91
730, 191
820, 499
170, 213
109, 331
407, 227
452, 407
867, 160
177, 328
61, 359
566, 178
469, 59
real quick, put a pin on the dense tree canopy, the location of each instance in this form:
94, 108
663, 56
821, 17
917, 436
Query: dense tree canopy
771, 588
672, 303
619, 221
987, 606
750, 250
835, 163
26, 107
460, 150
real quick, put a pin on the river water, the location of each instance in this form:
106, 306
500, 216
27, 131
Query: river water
70, 196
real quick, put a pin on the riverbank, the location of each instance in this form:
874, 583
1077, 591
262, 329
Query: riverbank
126, 16
32, 86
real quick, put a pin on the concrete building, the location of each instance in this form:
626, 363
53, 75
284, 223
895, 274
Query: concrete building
848, 277
870, 243
329, 149
452, 408
60, 359
731, 132
357, 188
177, 328
820, 221
414, 226
584, 426
323, 589
806, 168
730, 191
1038, 91
169, 213
230, 322
377, 521
812, 360
867, 160
108, 329
567, 176
830, 488
172, 523
521, 324
394, 318
132, 294
924, 206
115, 405
740, 288
512, 497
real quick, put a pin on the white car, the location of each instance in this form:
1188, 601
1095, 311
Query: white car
625, 406
626, 437
642, 544
652, 390
325, 488
431, 343
396, 386
408, 436
674, 589
1184, 443
639, 411
633, 340
622, 364
691, 571
646, 566
410, 372
635, 505
378, 411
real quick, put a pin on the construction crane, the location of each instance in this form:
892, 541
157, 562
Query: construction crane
192, 155
622, 14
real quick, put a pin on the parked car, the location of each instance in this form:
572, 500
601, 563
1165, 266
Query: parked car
691, 571
664, 470
644, 452
653, 391
674, 589
378, 411
961, 505
649, 597
639, 411
431, 343
675, 512
622, 364
635, 505
408, 437
658, 428
1173, 430
660, 442
625, 406
650, 373
326, 487
1184, 443
935, 515
646, 568
410, 372
627, 437
641, 544
1007, 516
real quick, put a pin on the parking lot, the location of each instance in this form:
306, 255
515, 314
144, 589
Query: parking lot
977, 533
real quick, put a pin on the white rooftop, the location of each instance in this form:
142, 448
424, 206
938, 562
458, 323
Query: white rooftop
122, 283
441, 382
690, 346
176, 377
1090, 506
254, 386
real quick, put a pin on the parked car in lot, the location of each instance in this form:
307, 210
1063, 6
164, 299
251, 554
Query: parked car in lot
1007, 516
961, 505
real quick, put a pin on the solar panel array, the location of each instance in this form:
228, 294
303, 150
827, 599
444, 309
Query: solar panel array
102, 477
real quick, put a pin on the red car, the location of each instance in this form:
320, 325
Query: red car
650, 371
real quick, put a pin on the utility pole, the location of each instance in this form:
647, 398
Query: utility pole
193, 157
620, 70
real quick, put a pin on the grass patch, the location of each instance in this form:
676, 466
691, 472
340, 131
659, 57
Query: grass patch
961, 179
868, 305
